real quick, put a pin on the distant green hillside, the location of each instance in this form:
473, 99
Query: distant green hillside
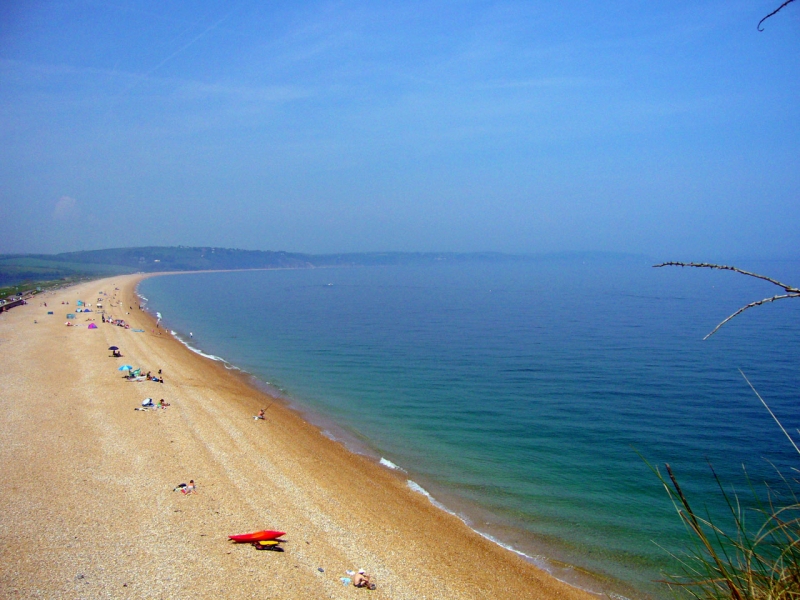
180, 258
15, 269
193, 259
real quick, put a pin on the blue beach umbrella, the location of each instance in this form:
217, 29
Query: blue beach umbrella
125, 368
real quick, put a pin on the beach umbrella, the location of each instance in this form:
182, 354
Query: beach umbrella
113, 348
92, 326
125, 368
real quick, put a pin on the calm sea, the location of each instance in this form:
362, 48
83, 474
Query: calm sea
524, 396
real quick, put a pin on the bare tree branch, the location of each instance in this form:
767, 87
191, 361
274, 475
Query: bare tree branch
751, 305
792, 292
788, 288
774, 12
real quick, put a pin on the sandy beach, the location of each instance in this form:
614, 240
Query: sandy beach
87, 481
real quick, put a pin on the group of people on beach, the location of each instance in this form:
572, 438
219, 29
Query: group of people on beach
136, 375
361, 579
157, 378
148, 403
117, 322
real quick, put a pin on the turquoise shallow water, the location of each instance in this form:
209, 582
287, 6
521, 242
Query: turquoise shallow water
518, 394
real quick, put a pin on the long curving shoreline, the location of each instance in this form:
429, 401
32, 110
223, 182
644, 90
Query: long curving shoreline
87, 482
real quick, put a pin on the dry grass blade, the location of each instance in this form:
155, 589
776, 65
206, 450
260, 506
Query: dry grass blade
746, 562
761, 563
769, 410
749, 565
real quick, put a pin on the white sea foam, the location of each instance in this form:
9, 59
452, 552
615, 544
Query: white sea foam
196, 351
203, 354
387, 463
539, 561
421, 490
418, 488
555, 569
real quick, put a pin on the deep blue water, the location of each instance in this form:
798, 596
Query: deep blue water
519, 394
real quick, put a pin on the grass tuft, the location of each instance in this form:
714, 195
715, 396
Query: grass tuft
757, 558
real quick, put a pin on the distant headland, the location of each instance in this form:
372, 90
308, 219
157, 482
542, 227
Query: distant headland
19, 268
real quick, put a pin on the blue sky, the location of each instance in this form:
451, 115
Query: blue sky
669, 129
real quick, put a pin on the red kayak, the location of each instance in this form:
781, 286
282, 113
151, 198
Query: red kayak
257, 536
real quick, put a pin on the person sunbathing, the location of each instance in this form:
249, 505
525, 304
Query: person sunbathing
361, 579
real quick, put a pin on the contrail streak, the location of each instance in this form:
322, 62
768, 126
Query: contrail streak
177, 52
183, 48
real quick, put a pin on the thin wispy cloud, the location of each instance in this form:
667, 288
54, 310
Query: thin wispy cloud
418, 110
66, 208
